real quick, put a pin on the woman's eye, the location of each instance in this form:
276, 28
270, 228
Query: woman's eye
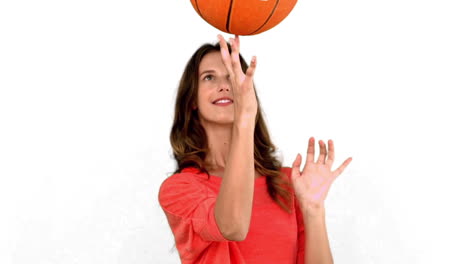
208, 77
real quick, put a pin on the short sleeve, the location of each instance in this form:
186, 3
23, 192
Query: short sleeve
300, 259
189, 208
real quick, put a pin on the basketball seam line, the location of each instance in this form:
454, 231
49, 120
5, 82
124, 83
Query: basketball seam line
269, 17
198, 10
229, 17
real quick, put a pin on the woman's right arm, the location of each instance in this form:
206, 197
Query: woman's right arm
234, 202
233, 207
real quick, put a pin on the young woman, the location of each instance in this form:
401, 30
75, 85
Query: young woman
230, 200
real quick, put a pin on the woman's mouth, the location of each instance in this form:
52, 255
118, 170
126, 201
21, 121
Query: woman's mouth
223, 102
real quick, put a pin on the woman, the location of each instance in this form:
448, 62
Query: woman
230, 200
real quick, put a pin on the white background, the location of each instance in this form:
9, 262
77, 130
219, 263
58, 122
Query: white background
87, 97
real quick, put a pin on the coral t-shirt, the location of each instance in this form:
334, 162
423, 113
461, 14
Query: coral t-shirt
188, 200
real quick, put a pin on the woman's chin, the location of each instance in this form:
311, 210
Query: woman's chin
224, 120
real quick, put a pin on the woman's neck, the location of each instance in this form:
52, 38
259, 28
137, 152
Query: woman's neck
219, 142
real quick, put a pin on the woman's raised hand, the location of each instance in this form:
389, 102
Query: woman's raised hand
311, 186
245, 102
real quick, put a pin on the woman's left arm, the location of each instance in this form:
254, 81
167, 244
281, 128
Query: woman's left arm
317, 247
311, 187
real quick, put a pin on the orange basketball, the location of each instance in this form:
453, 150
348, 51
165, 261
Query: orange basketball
243, 17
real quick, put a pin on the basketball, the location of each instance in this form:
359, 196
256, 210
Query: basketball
243, 17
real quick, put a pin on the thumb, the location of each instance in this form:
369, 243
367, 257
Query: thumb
251, 70
295, 172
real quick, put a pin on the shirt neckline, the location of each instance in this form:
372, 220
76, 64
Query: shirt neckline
260, 181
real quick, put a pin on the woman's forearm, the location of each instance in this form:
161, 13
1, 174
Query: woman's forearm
233, 208
317, 246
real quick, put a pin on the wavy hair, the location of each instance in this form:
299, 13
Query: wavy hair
190, 144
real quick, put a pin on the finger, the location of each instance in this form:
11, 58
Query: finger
235, 57
331, 153
343, 166
225, 55
295, 172
323, 153
251, 70
311, 151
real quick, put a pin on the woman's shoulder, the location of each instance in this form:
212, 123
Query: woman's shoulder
181, 188
286, 171
183, 177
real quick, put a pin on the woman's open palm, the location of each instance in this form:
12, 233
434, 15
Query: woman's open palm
311, 186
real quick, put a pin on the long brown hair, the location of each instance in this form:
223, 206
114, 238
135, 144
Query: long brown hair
190, 144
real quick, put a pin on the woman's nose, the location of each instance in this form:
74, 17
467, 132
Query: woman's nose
224, 86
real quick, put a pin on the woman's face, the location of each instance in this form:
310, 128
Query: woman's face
214, 100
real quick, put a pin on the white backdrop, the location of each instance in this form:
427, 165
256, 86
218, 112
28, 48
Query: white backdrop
86, 104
